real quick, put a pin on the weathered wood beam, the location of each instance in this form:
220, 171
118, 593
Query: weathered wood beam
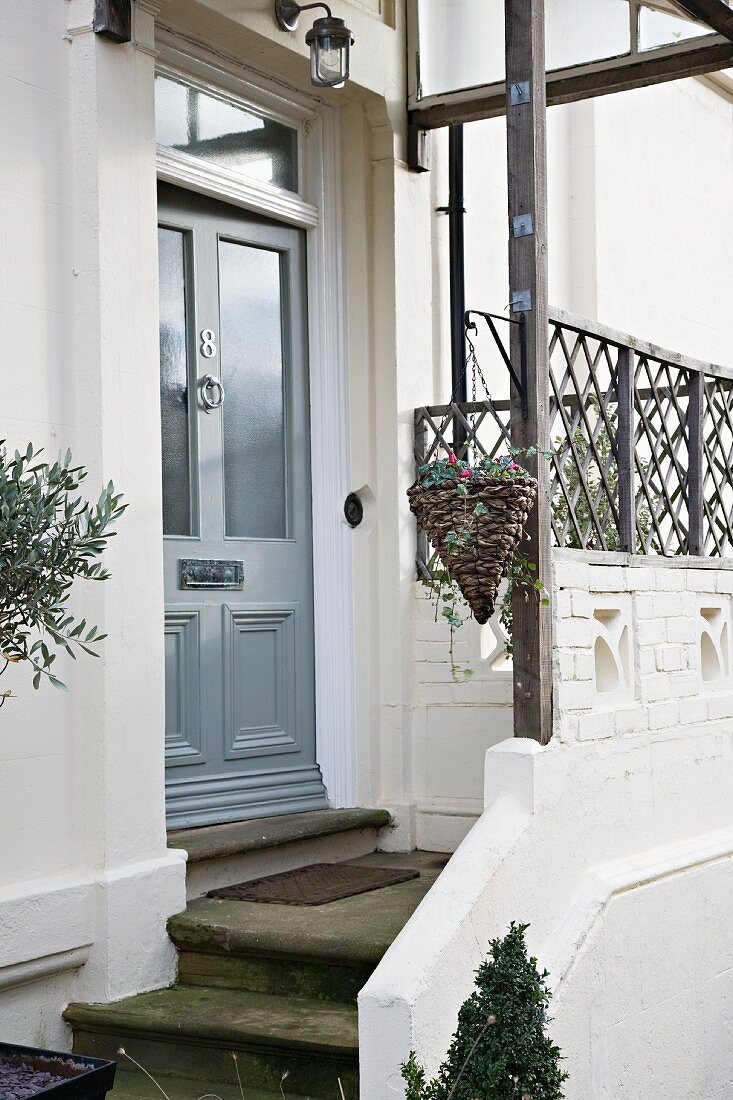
418, 148
696, 465
617, 75
715, 13
113, 19
527, 192
625, 451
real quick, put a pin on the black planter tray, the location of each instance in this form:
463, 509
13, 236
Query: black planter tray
87, 1078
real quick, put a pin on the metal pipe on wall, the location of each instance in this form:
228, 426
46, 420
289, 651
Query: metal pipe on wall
457, 247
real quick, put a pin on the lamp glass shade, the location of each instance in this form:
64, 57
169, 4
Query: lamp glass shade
330, 46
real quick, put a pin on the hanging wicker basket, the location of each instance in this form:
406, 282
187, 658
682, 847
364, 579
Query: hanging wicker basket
479, 566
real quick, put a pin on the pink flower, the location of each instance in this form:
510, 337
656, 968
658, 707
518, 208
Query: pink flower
514, 466
465, 473
452, 459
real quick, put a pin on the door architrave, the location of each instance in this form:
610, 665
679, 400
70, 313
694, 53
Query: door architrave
318, 210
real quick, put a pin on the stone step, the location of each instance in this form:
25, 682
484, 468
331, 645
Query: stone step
219, 855
311, 1045
136, 1086
325, 952
319, 981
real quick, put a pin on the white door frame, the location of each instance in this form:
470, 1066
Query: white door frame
316, 209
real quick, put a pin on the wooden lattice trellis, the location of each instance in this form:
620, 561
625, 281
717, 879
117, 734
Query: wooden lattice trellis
717, 467
642, 441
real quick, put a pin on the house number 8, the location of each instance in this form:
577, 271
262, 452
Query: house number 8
208, 347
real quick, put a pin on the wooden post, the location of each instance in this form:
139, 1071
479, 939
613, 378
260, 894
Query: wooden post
527, 186
625, 451
695, 416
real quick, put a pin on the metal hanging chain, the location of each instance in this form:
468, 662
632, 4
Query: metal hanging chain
476, 370
477, 375
473, 363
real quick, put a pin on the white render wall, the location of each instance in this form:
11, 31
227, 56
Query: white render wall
614, 842
455, 720
86, 880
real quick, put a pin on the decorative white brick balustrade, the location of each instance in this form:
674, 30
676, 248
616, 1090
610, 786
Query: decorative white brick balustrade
640, 644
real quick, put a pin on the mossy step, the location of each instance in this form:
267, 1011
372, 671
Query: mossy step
238, 837
195, 1032
136, 1086
324, 951
301, 978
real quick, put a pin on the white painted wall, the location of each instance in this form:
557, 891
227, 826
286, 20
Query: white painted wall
85, 879
37, 743
614, 843
456, 718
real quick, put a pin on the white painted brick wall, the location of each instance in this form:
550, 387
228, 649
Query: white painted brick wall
455, 720
660, 604
671, 658
656, 607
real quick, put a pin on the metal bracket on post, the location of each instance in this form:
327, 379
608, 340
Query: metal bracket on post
522, 225
519, 93
519, 380
521, 301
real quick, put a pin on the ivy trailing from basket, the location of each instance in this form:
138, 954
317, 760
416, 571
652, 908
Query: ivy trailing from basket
49, 537
521, 578
500, 1050
478, 541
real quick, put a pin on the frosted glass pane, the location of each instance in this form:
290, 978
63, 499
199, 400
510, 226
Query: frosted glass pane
222, 133
252, 374
462, 41
579, 31
657, 28
174, 383
461, 44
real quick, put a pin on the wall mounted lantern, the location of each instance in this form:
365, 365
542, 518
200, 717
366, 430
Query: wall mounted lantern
330, 42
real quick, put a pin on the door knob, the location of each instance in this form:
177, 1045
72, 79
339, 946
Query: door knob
212, 393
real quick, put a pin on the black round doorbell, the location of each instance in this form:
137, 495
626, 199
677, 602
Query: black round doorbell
353, 510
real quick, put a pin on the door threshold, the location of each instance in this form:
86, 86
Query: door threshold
234, 838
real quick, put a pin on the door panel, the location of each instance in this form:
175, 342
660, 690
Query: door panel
262, 678
236, 487
182, 688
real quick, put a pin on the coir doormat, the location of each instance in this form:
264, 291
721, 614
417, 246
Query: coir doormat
316, 884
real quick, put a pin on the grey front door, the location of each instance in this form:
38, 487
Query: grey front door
240, 699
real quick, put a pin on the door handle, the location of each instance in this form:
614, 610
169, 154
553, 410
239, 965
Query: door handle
211, 385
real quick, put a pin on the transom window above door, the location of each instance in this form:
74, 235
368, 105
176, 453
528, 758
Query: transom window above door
215, 130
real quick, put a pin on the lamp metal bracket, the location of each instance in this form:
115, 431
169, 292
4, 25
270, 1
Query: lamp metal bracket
519, 381
287, 13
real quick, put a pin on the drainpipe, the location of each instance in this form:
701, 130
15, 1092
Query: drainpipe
456, 213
